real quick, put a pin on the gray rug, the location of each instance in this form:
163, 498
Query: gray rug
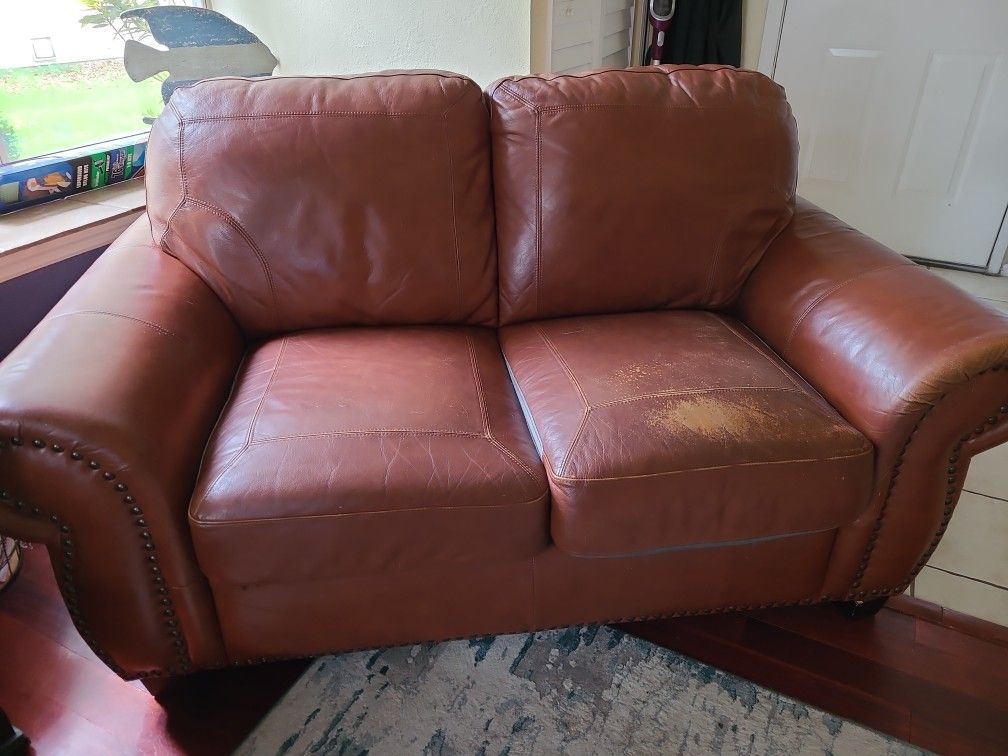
587, 690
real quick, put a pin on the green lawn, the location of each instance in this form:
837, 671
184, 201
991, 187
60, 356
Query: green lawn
56, 107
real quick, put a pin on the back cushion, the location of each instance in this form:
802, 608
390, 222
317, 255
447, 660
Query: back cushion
311, 202
635, 189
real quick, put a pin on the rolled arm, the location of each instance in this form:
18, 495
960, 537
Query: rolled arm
105, 410
917, 365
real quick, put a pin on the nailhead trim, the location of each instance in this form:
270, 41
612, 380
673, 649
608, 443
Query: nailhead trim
69, 590
951, 492
877, 593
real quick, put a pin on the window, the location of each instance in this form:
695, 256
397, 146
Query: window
62, 80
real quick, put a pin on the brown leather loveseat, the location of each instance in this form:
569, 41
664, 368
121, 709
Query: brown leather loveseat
396, 360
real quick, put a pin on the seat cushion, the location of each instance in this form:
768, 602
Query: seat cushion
637, 189
356, 450
370, 192
667, 429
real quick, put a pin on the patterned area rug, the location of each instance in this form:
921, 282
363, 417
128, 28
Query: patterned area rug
587, 690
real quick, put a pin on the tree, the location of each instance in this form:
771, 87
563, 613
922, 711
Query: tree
105, 14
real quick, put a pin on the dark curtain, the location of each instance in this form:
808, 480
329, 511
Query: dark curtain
705, 31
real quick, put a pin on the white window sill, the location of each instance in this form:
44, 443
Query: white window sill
46, 234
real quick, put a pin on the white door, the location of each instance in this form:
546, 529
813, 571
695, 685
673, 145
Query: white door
586, 34
902, 109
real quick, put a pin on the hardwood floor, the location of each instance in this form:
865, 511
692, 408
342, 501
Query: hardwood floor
925, 675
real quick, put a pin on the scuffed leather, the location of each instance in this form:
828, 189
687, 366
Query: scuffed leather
886, 342
363, 450
375, 485
130, 370
318, 202
666, 429
637, 189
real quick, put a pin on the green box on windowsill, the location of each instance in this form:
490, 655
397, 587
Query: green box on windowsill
63, 174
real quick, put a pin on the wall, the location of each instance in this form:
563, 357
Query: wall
25, 300
754, 15
59, 20
484, 39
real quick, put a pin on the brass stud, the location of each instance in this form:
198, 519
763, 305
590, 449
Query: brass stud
158, 580
4, 495
135, 510
20, 505
978, 429
76, 455
141, 522
151, 557
951, 490
129, 499
1003, 408
149, 546
68, 554
954, 458
951, 471
64, 528
991, 420
108, 475
15, 441
57, 448
120, 486
36, 510
38, 443
155, 569
145, 534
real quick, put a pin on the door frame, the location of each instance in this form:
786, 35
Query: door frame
773, 30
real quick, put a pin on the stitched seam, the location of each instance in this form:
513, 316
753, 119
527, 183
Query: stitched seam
836, 287
713, 268
665, 73
759, 352
240, 230
539, 214
562, 480
251, 431
621, 106
690, 392
337, 515
577, 387
152, 326
271, 79
485, 414
454, 209
514, 458
588, 622
182, 177
313, 114
538, 192
365, 432
894, 480
574, 441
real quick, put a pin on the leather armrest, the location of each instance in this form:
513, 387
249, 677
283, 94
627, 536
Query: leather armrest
917, 365
105, 410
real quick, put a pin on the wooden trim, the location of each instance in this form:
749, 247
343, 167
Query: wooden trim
940, 615
20, 260
39, 236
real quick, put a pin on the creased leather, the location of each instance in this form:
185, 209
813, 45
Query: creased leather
349, 451
375, 189
886, 342
130, 371
664, 429
636, 189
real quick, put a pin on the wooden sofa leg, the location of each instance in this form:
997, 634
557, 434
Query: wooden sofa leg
861, 609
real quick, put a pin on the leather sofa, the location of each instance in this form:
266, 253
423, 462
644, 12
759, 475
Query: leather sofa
392, 359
